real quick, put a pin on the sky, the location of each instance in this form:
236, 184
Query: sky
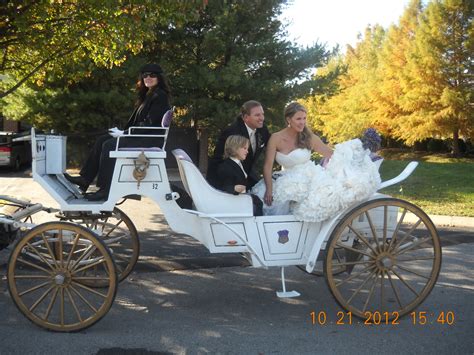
338, 21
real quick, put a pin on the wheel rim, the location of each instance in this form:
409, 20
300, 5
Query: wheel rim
392, 255
121, 237
46, 282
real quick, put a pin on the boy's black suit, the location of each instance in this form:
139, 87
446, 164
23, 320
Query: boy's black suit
230, 174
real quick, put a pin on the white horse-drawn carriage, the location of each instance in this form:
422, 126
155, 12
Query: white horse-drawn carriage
381, 255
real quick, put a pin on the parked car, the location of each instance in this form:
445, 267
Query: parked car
15, 149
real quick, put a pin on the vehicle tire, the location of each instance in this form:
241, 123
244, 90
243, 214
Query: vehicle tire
392, 255
46, 283
17, 164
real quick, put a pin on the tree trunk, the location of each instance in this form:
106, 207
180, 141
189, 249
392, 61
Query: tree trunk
456, 152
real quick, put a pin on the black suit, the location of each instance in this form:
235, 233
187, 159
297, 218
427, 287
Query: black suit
230, 174
148, 114
262, 135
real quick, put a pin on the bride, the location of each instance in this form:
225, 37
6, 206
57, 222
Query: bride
309, 191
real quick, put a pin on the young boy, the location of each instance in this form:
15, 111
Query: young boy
231, 176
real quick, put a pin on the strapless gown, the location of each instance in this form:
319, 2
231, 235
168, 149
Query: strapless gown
313, 193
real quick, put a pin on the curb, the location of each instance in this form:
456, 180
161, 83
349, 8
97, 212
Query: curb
453, 221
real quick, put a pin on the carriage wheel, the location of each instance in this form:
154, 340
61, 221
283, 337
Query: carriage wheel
121, 237
392, 255
46, 282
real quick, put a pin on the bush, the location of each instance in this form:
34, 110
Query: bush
437, 146
421, 146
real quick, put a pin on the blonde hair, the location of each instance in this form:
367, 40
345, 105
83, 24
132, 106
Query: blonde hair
303, 139
233, 143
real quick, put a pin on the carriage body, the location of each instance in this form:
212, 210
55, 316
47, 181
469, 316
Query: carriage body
365, 239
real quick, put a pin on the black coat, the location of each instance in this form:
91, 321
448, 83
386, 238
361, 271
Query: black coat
151, 111
230, 174
238, 128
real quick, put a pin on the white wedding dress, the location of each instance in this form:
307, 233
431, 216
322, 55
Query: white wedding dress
313, 193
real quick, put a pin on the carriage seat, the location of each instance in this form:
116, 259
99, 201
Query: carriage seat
206, 198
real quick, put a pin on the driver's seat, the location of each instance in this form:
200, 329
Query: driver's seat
206, 198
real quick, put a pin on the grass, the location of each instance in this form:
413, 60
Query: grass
439, 185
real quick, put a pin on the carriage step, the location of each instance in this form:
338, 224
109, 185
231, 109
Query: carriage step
285, 293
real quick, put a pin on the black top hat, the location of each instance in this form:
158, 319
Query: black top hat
151, 68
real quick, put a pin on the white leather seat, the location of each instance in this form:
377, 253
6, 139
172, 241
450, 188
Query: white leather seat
206, 198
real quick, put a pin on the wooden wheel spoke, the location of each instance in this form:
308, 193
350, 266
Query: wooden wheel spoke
91, 290
371, 292
84, 278
414, 245
372, 228
23, 261
354, 250
407, 234
60, 238
34, 288
23, 277
95, 263
53, 257
352, 263
73, 303
39, 300
382, 293
384, 233
412, 272
395, 232
71, 252
418, 258
112, 229
360, 287
361, 237
51, 303
405, 283
84, 299
61, 305
42, 258
353, 276
395, 291
87, 252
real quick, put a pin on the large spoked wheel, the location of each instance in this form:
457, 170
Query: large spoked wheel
391, 253
119, 234
47, 271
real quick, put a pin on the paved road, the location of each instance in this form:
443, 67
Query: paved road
202, 303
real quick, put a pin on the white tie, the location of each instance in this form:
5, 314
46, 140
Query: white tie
253, 141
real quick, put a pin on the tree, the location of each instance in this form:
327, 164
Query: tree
90, 104
42, 37
388, 93
349, 111
233, 52
438, 84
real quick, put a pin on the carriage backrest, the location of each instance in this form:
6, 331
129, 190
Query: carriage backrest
206, 198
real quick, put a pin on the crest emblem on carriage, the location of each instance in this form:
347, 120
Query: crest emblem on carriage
283, 236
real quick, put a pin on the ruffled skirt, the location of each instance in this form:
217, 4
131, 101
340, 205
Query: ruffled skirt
313, 193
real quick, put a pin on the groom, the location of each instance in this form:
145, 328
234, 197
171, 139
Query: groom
250, 125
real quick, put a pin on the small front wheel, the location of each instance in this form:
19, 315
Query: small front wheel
46, 274
391, 253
